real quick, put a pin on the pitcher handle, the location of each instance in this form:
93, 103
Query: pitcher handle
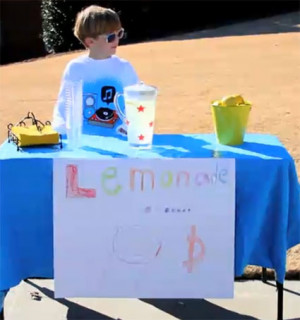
120, 113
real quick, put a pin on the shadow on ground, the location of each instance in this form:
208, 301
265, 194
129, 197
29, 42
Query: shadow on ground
195, 309
75, 310
289, 22
184, 309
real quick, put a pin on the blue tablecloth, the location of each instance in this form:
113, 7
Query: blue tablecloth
267, 198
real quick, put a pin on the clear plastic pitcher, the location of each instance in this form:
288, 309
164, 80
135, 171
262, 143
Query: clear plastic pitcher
73, 105
139, 115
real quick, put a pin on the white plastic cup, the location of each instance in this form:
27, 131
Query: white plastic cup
73, 105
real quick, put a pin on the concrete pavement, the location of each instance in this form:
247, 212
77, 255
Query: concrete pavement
33, 300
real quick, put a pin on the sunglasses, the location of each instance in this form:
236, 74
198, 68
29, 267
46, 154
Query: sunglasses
112, 36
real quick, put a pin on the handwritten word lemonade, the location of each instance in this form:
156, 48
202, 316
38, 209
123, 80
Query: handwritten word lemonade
140, 117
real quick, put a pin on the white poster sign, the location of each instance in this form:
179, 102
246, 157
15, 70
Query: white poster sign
159, 228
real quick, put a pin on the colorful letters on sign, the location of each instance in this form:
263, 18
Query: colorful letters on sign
142, 179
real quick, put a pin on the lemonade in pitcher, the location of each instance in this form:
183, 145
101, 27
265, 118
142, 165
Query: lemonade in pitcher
139, 116
140, 121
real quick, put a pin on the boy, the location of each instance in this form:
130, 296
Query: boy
102, 73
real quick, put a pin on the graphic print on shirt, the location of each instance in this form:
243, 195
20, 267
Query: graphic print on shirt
99, 110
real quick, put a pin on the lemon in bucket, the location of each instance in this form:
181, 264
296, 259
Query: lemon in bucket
230, 117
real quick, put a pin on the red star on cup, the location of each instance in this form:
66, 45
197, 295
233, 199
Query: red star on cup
151, 124
127, 122
141, 137
141, 108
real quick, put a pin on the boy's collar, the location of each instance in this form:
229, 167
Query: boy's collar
99, 59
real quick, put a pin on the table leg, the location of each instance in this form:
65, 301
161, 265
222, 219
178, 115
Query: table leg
279, 300
264, 275
279, 287
2, 296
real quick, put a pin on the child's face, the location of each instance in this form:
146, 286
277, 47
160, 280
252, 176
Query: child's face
105, 44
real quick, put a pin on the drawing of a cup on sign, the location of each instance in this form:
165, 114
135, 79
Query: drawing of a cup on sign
136, 244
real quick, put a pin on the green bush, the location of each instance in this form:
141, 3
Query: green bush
58, 17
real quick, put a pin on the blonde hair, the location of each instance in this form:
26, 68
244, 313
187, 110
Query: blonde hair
95, 20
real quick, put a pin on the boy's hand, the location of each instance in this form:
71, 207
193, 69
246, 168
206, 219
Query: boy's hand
122, 130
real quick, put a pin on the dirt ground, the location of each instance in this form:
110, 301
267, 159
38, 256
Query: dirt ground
258, 59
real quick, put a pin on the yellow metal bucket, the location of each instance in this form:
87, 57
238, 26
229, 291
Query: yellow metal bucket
230, 123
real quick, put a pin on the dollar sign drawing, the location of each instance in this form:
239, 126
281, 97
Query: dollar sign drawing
193, 259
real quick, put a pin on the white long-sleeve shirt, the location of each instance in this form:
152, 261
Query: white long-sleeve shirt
101, 80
